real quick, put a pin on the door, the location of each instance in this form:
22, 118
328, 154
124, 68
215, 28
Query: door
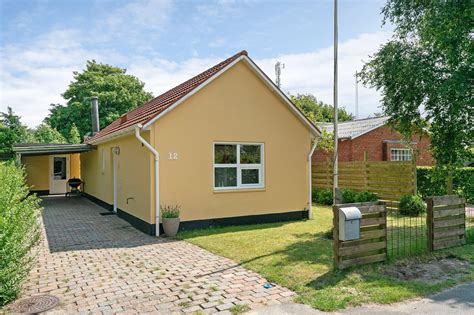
59, 168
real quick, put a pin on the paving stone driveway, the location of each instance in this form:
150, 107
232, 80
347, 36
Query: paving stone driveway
96, 263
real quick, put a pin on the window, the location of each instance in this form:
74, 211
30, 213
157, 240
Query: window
400, 154
60, 165
238, 165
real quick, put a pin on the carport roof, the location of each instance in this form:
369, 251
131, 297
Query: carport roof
50, 148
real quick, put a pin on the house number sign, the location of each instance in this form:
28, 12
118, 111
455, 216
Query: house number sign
172, 156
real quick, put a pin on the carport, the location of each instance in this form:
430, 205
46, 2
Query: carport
49, 166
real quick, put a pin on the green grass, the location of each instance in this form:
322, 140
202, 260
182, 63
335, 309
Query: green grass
299, 256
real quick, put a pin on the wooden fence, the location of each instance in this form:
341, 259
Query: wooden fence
446, 219
389, 180
372, 245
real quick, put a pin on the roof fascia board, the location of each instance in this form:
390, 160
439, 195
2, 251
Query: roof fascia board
276, 90
115, 135
147, 125
259, 72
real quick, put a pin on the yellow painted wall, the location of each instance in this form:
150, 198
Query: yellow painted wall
75, 164
133, 175
235, 107
37, 171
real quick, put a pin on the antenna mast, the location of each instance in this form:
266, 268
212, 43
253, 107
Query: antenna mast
357, 97
278, 67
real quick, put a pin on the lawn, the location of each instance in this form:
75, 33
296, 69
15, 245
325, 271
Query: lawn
298, 255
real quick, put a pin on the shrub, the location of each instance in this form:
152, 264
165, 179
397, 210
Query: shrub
325, 196
170, 211
412, 205
19, 230
314, 194
348, 195
366, 196
431, 181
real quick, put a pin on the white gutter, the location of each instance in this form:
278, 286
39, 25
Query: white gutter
310, 180
157, 175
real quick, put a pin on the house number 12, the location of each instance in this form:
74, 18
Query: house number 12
172, 155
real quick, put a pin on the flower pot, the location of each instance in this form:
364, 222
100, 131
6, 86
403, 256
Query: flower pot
171, 226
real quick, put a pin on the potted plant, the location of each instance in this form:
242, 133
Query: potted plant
170, 216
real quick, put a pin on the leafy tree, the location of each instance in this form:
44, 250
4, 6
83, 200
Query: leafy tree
46, 134
117, 91
317, 111
424, 75
74, 135
12, 131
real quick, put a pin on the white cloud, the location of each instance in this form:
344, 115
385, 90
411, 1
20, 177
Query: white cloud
144, 14
313, 72
33, 76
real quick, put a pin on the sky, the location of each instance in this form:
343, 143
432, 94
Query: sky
165, 42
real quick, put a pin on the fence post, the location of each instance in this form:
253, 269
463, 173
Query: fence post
335, 236
429, 223
366, 170
415, 175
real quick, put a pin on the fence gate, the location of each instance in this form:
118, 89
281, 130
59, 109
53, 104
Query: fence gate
372, 245
446, 218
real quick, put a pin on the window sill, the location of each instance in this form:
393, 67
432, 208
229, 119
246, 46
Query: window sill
239, 190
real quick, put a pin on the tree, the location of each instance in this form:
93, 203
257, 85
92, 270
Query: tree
117, 91
317, 111
424, 74
74, 135
46, 134
12, 131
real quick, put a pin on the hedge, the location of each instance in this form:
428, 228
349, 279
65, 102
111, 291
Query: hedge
19, 230
325, 196
431, 181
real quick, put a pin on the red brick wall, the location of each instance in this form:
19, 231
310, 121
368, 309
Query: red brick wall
377, 150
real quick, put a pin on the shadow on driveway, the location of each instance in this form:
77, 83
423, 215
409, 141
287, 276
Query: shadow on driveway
75, 223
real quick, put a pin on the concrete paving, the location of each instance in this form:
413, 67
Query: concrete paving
455, 301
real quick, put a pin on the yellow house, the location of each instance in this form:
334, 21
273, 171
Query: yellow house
227, 146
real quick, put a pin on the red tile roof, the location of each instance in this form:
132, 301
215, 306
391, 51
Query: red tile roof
146, 112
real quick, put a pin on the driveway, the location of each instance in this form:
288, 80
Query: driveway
95, 263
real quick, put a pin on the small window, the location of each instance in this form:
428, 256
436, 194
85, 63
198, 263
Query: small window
60, 165
238, 165
400, 154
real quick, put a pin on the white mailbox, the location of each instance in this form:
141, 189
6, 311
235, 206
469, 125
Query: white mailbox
349, 223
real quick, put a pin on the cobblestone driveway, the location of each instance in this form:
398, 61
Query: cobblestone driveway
96, 263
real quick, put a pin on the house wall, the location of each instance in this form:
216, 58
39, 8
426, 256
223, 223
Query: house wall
133, 176
38, 170
236, 107
373, 143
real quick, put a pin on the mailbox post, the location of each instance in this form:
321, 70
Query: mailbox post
349, 223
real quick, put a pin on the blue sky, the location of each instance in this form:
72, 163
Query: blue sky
164, 42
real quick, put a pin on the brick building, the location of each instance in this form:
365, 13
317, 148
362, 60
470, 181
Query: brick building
381, 142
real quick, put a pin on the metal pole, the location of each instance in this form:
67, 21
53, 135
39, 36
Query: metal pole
336, 197
357, 98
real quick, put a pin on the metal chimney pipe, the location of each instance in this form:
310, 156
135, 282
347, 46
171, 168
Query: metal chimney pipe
95, 114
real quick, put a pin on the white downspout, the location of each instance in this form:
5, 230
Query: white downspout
310, 180
115, 168
157, 175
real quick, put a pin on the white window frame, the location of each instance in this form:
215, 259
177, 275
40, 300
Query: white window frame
240, 167
397, 157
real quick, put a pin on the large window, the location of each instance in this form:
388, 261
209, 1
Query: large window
238, 165
400, 154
